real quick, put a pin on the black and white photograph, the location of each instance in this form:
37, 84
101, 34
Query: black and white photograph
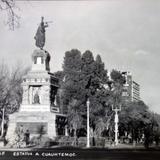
79, 79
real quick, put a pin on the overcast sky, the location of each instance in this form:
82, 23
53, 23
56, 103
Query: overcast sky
125, 33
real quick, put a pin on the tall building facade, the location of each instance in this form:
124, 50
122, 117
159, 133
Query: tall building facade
131, 89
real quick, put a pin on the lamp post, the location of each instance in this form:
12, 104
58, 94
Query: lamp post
116, 120
88, 140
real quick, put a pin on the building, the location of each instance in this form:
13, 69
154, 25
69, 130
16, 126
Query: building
131, 90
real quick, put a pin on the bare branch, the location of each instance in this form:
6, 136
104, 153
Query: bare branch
10, 7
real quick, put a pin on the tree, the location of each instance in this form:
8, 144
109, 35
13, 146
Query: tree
82, 78
156, 128
71, 69
136, 120
10, 7
152, 131
58, 98
11, 92
117, 81
3, 96
71, 89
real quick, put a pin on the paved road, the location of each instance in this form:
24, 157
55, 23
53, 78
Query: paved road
80, 154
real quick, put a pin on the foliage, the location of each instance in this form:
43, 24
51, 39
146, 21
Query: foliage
44, 143
11, 90
116, 85
82, 78
82, 141
100, 142
67, 141
137, 121
10, 85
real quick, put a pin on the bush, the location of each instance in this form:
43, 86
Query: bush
100, 142
82, 142
43, 141
67, 141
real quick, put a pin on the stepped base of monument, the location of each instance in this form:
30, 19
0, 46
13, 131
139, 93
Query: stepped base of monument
34, 122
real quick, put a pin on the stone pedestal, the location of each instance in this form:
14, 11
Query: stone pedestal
32, 121
38, 107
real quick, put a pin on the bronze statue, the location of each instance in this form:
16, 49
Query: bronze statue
36, 98
40, 35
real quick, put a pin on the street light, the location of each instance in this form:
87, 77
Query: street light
116, 120
88, 140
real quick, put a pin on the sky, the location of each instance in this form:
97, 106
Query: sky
126, 33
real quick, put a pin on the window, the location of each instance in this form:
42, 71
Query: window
39, 60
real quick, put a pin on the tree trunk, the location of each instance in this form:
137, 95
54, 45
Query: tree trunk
75, 138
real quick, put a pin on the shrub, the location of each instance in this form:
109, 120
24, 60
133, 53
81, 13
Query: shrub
67, 141
82, 141
100, 142
44, 141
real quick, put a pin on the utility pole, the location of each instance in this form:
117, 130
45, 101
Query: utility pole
88, 128
116, 120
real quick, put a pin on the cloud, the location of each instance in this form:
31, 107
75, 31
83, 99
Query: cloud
141, 52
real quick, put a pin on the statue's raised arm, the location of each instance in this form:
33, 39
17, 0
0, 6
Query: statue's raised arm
40, 34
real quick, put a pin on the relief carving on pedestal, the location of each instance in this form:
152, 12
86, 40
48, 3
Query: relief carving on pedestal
36, 92
25, 94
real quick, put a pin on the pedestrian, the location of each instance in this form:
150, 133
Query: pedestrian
27, 137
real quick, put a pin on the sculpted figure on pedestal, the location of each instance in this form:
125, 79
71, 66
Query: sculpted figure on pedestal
40, 34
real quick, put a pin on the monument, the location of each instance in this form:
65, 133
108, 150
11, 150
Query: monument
40, 86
